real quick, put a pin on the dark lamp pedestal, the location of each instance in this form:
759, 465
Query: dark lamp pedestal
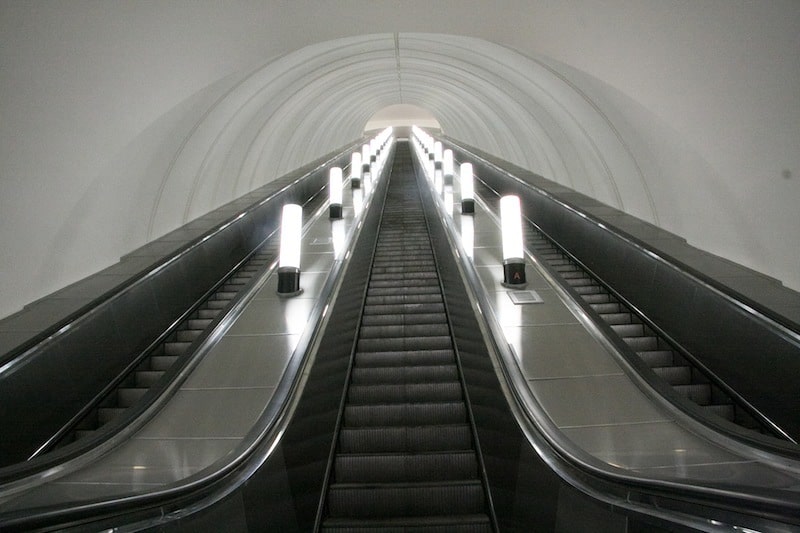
335, 211
514, 273
468, 207
289, 281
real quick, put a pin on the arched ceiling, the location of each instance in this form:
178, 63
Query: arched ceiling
282, 114
124, 120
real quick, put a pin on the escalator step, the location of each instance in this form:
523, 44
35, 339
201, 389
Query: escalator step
405, 374
176, 348
128, 396
404, 330
589, 289
478, 523
628, 330
405, 358
217, 304
405, 467
675, 375
726, 411
617, 318
148, 378
410, 499
583, 281
405, 393
404, 343
404, 309
405, 299
207, 313
401, 280
395, 319
607, 308
403, 275
395, 270
408, 414
189, 335
199, 323
698, 393
162, 362
642, 344
597, 298
403, 291
657, 357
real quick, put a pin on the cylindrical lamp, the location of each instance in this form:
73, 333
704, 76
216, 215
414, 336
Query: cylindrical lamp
437, 155
513, 255
335, 192
289, 262
447, 167
364, 159
355, 170
467, 189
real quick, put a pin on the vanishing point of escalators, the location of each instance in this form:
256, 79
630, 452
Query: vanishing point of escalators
405, 454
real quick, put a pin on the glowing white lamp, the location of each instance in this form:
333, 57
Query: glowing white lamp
355, 170
338, 237
289, 262
513, 256
447, 167
468, 235
467, 189
335, 192
437, 155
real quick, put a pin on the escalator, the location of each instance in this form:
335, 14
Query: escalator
406, 454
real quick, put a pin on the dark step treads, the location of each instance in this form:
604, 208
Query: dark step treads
617, 318
607, 307
403, 291
404, 358
698, 393
107, 414
404, 343
628, 330
147, 378
402, 274
405, 299
657, 357
407, 414
675, 375
433, 524
412, 499
127, 396
597, 298
405, 467
726, 411
641, 344
404, 309
404, 330
405, 393
396, 319
404, 374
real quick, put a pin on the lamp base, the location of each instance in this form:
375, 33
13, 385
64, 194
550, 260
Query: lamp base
514, 274
288, 282
335, 211
355, 183
467, 207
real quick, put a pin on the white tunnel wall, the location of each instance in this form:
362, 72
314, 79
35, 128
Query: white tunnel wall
115, 128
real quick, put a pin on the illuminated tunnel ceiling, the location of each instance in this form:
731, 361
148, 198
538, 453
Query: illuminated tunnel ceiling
306, 103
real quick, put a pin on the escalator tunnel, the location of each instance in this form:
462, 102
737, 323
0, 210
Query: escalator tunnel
402, 423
